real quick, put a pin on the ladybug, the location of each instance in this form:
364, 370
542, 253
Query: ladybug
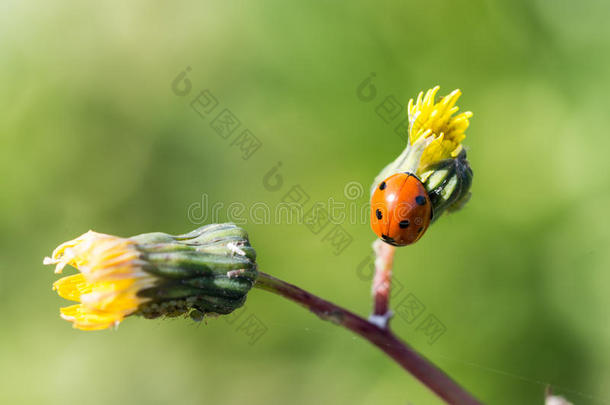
401, 210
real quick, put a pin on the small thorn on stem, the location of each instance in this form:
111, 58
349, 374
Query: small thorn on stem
381, 320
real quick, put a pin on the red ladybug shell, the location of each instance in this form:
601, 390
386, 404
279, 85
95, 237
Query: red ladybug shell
400, 209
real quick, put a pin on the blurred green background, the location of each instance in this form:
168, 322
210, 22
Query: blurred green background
93, 137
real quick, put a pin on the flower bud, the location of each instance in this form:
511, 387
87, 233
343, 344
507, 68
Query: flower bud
207, 271
448, 184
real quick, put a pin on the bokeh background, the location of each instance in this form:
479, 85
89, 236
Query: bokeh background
94, 137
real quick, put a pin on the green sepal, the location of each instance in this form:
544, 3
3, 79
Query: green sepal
212, 233
222, 286
193, 264
208, 270
199, 305
448, 184
218, 305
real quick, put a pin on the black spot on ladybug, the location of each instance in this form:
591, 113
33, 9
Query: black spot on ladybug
378, 214
420, 200
403, 224
420, 229
382, 185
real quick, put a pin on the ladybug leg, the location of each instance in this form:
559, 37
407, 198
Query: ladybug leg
389, 240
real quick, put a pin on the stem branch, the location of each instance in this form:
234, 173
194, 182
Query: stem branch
382, 283
421, 368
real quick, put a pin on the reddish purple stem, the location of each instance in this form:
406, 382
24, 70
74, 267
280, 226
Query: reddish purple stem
382, 282
416, 364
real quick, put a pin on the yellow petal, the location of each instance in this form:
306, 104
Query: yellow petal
437, 121
72, 287
108, 283
86, 319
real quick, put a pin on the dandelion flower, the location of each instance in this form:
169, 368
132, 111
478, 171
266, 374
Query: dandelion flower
209, 270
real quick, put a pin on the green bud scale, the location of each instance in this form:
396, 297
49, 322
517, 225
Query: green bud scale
448, 184
207, 271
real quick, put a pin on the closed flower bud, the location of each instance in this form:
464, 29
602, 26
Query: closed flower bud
207, 271
448, 184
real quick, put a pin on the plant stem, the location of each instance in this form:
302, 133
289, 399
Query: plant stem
416, 364
382, 283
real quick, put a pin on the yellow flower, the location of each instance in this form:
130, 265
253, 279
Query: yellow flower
207, 271
437, 123
435, 134
108, 283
